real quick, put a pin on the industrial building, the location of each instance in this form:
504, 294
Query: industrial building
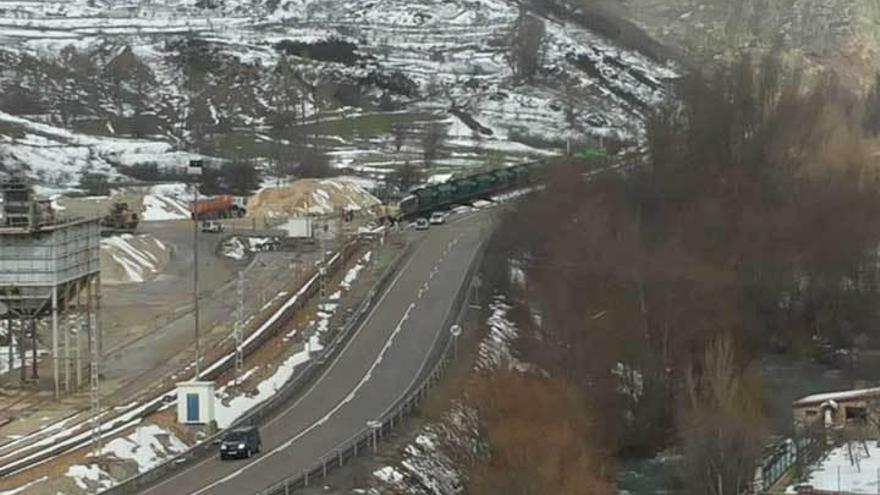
49, 271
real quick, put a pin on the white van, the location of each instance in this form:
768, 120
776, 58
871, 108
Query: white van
212, 227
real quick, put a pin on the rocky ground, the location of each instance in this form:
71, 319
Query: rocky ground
840, 35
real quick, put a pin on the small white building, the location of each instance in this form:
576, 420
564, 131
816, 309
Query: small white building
859, 407
195, 402
298, 227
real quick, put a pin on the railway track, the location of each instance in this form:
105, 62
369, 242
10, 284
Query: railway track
43, 446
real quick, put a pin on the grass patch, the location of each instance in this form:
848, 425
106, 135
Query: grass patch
363, 126
242, 145
11, 130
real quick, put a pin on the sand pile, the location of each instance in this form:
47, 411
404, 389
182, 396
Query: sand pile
313, 196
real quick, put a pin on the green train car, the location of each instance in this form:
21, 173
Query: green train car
465, 189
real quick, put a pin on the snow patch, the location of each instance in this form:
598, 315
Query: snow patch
131, 258
227, 409
147, 446
238, 248
352, 274
857, 472
496, 349
89, 478
166, 202
389, 475
425, 467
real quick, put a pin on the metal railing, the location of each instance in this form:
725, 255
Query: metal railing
787, 457
367, 439
299, 382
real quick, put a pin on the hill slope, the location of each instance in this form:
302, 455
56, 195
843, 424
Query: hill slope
361, 80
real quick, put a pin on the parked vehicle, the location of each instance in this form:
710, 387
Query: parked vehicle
241, 442
422, 224
212, 227
438, 218
223, 206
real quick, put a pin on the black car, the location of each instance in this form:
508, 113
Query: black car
243, 441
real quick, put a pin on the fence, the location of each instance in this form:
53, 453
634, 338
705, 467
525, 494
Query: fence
367, 438
847, 467
295, 386
785, 456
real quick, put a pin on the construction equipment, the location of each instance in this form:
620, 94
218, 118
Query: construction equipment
121, 219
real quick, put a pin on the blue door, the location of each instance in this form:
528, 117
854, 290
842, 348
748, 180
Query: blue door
192, 408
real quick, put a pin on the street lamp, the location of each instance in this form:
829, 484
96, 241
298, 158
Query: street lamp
195, 170
374, 425
455, 330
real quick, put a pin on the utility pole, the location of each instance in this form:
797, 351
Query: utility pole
195, 170
239, 352
95, 381
323, 272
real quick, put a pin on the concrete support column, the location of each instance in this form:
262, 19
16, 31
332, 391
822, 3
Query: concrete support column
99, 337
34, 373
82, 318
55, 356
21, 349
10, 349
66, 362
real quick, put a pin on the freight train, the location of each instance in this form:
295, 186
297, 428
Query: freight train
424, 200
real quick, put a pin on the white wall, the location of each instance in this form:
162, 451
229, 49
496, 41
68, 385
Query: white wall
205, 393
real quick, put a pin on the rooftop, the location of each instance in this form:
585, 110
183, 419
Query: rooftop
842, 396
45, 227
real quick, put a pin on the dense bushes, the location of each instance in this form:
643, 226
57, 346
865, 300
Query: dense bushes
753, 221
540, 433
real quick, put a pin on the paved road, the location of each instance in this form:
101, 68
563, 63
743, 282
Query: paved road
376, 367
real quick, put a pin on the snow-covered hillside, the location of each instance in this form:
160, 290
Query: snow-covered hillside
166, 202
172, 73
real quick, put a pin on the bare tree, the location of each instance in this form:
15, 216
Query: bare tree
722, 428
285, 96
282, 159
871, 121
398, 130
524, 56
432, 140
405, 177
312, 162
129, 78
79, 71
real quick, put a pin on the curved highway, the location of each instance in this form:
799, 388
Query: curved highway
376, 367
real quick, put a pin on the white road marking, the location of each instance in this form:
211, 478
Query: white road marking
350, 396
326, 417
320, 378
433, 344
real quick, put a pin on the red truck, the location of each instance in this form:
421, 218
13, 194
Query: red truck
223, 206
